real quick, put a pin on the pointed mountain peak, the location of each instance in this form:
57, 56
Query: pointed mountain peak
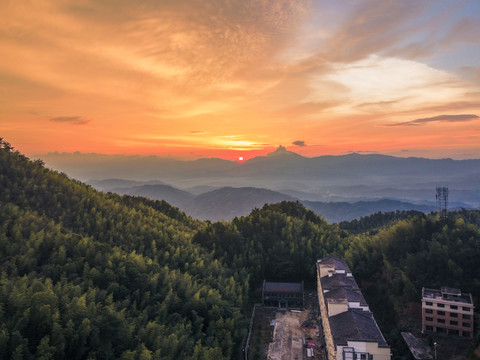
281, 150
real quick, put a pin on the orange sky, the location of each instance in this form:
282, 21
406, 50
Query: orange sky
237, 78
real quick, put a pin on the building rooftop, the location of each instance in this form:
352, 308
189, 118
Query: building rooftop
282, 287
339, 295
335, 262
418, 348
355, 325
338, 281
448, 294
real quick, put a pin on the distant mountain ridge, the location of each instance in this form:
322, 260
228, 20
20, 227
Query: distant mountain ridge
228, 202
283, 162
343, 211
353, 177
173, 196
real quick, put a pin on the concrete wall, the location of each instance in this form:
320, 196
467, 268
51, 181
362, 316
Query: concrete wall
324, 269
337, 308
371, 348
327, 332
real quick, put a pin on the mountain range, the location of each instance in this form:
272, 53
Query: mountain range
216, 188
227, 202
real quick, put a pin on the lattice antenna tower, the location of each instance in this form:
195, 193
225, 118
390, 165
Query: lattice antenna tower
442, 201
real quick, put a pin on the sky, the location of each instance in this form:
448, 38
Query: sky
238, 78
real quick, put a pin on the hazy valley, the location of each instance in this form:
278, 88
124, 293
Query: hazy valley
336, 187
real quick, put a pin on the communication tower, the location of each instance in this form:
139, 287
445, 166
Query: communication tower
442, 201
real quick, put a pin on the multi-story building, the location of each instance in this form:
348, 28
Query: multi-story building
349, 328
447, 311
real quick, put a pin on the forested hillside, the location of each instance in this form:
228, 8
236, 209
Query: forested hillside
420, 251
397, 255
91, 275
280, 242
85, 274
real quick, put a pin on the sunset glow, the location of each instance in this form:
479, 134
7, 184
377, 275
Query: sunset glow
211, 79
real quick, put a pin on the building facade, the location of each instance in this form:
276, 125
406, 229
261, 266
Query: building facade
349, 328
447, 311
283, 295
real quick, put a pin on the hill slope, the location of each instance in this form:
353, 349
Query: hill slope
343, 211
88, 275
173, 196
228, 202
93, 275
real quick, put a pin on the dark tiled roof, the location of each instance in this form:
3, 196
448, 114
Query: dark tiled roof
355, 325
347, 294
417, 347
338, 281
282, 287
338, 263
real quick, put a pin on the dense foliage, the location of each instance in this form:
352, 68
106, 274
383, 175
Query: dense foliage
89, 275
280, 242
376, 222
422, 251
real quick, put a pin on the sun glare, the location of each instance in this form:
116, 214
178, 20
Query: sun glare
240, 158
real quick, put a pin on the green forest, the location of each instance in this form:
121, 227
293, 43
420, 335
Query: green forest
93, 275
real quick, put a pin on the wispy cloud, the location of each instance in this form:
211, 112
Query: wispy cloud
270, 71
74, 120
439, 118
231, 142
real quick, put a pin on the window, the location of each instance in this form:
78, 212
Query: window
429, 318
466, 333
453, 322
466, 317
429, 303
466, 324
454, 315
440, 312
455, 307
441, 305
429, 327
466, 308
441, 321
429, 311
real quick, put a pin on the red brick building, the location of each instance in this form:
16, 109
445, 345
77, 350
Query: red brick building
447, 311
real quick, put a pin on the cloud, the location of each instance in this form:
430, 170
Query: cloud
439, 118
371, 27
237, 67
74, 120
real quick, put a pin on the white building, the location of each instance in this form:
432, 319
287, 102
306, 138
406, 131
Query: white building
349, 328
